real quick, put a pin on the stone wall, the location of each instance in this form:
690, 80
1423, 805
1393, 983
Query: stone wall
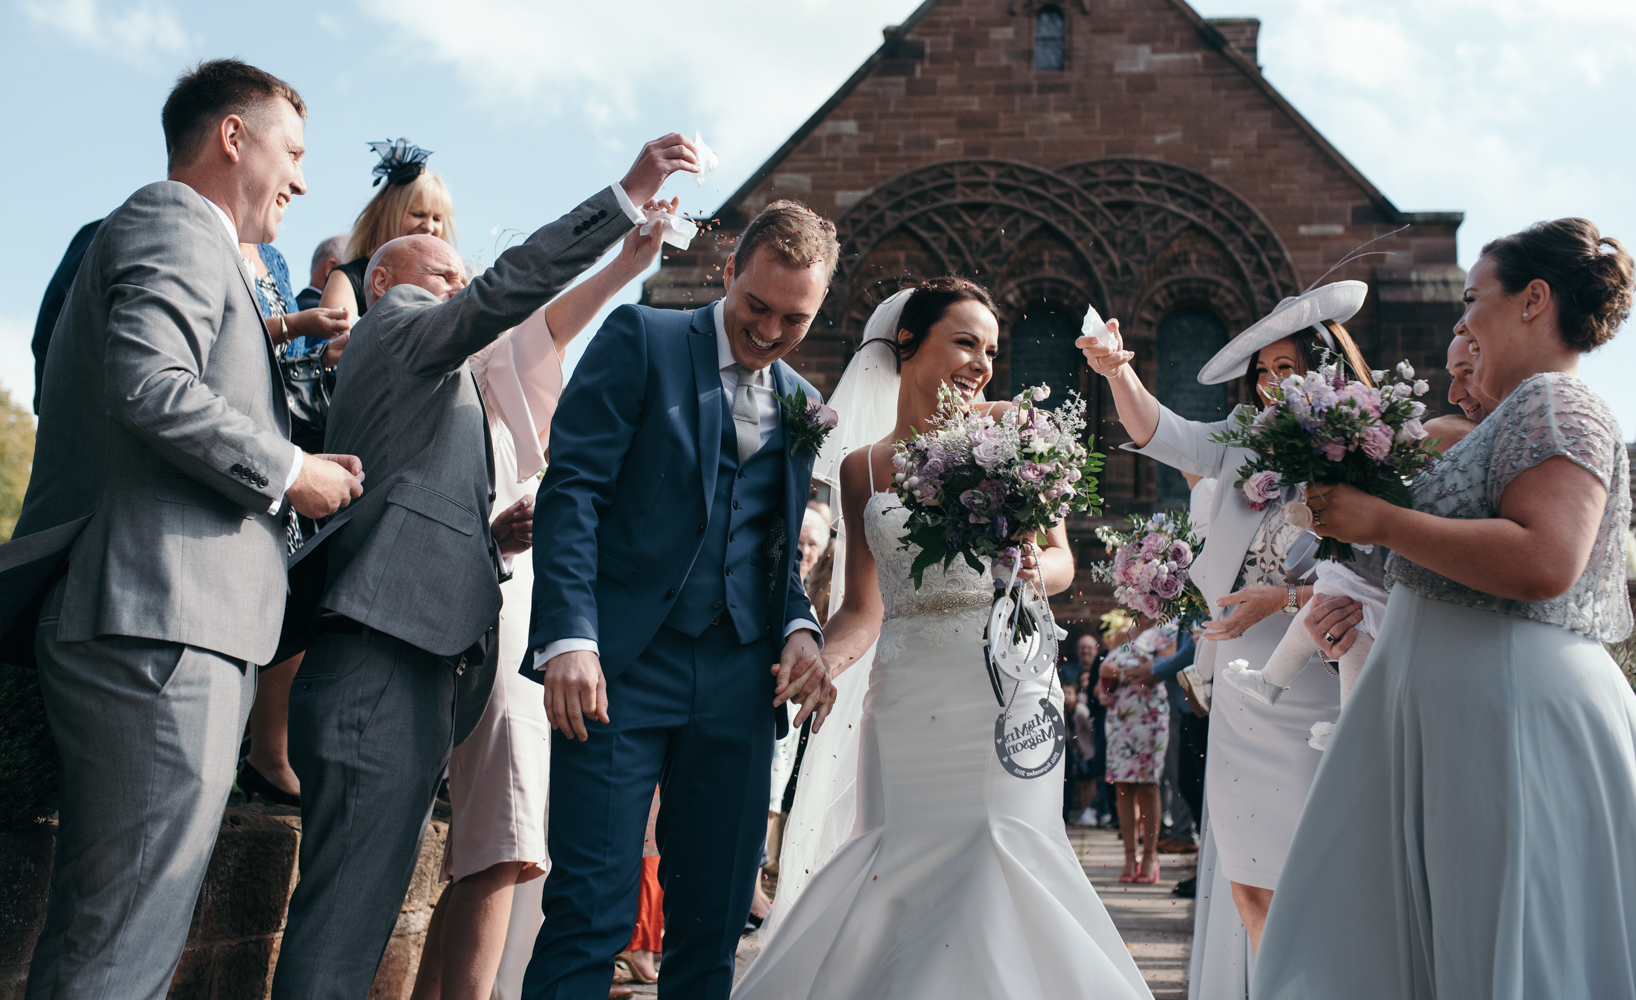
238, 922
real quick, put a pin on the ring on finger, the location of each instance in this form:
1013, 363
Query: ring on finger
1330, 639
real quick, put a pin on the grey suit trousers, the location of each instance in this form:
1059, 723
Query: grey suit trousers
148, 732
371, 729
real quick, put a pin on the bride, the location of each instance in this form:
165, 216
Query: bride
958, 879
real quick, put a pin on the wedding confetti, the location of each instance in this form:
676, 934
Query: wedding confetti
1093, 326
678, 230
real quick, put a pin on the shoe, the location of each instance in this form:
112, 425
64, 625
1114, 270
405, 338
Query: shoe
1186, 888
752, 923
251, 782
1239, 675
1148, 879
1320, 735
1087, 817
1129, 877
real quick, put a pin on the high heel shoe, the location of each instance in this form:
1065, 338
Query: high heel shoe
252, 781
1129, 877
1146, 880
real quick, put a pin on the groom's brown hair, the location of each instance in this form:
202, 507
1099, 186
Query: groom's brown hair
794, 234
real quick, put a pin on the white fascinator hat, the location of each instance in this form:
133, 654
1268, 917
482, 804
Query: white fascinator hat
1323, 309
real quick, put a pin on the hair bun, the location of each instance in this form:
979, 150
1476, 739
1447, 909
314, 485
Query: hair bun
1590, 275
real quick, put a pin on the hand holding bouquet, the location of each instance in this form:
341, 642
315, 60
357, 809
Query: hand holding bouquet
975, 482
1324, 428
1150, 567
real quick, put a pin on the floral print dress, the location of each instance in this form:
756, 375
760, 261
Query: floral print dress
1138, 726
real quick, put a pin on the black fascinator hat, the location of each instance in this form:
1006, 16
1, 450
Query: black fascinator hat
400, 162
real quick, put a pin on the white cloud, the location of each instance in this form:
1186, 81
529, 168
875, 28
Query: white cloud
146, 35
746, 71
17, 358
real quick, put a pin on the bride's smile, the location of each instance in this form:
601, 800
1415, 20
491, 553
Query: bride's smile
958, 351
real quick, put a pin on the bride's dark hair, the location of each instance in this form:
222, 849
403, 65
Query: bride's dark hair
931, 301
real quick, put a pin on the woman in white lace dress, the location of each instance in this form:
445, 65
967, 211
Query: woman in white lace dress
959, 880
1468, 833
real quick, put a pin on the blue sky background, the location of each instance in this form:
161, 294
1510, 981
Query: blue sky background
1511, 110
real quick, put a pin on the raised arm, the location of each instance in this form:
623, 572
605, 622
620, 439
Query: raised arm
530, 274
855, 625
569, 313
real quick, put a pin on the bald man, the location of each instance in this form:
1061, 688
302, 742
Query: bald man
404, 659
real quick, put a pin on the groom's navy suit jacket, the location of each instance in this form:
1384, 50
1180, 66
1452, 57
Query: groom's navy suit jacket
621, 516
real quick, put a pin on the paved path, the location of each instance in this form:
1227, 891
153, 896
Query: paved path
1156, 926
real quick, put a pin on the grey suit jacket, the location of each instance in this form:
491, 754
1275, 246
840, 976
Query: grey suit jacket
163, 421
417, 560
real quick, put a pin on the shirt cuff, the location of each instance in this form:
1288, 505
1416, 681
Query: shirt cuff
289, 481
627, 206
810, 626
544, 656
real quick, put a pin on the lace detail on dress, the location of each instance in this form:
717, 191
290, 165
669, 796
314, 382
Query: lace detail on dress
1548, 414
1264, 559
947, 599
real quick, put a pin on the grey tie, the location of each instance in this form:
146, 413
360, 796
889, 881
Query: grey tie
746, 418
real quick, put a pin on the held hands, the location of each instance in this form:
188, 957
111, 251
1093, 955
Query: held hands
803, 678
1334, 616
574, 689
1107, 354
1254, 603
325, 484
657, 161
513, 529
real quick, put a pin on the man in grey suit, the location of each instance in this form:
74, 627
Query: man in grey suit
163, 469
401, 668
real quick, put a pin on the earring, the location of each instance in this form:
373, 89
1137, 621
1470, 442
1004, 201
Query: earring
1525, 314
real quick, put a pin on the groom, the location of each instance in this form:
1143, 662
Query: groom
666, 596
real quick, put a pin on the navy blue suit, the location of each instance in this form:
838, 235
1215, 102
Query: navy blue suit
678, 561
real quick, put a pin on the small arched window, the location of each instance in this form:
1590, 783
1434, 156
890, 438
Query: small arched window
1050, 39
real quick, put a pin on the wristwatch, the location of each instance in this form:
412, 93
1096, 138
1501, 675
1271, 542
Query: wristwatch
1293, 605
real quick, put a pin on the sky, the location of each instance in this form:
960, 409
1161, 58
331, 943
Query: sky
1510, 110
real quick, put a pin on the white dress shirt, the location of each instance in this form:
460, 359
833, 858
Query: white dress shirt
233, 235
767, 405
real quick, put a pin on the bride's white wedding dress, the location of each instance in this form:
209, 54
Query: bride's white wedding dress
959, 880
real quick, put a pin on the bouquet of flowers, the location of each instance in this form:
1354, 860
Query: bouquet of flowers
1325, 428
975, 483
1150, 566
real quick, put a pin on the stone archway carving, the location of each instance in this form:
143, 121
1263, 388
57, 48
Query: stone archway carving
1116, 216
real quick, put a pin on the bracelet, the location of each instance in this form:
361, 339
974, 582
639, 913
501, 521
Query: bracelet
284, 327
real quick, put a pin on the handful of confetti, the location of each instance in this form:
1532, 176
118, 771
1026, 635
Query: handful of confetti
708, 160
1093, 327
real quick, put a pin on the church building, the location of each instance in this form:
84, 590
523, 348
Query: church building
1126, 154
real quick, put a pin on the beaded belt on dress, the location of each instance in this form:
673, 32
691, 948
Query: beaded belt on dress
944, 604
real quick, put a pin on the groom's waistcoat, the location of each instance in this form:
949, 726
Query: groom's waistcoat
731, 574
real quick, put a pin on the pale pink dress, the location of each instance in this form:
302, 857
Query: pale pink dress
499, 778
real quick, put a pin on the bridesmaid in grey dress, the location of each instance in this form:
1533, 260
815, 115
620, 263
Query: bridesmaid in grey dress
1468, 832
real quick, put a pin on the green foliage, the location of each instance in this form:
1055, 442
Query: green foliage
28, 755
16, 460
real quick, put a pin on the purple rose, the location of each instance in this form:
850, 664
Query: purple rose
1412, 430
1334, 449
1034, 472
1263, 487
1170, 587
819, 415
1147, 604
1180, 553
1376, 442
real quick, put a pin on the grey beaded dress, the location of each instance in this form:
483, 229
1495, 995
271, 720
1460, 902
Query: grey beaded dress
1469, 832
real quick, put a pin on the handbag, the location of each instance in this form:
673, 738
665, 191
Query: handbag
307, 388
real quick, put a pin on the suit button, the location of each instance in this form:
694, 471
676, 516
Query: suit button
716, 605
741, 473
730, 536
735, 505
701, 529
602, 214
263, 482
670, 593
578, 230
729, 571
237, 469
